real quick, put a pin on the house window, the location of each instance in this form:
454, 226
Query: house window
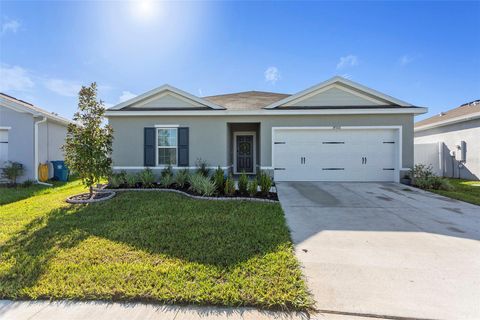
167, 146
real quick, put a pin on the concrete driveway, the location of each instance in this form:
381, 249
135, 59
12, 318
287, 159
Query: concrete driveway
385, 250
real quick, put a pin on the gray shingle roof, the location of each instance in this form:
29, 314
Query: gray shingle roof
463, 111
249, 100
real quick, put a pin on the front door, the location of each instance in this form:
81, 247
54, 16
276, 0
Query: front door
245, 153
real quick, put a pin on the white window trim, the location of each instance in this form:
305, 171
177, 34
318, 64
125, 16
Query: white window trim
244, 133
166, 126
157, 128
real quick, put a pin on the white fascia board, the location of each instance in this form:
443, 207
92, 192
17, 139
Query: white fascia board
263, 112
166, 87
338, 79
471, 116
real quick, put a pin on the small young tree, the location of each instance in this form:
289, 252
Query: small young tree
89, 142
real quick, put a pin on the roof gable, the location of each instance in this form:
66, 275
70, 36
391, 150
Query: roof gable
338, 92
166, 97
25, 107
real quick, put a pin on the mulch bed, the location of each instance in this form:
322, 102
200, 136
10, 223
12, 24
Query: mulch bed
272, 196
85, 197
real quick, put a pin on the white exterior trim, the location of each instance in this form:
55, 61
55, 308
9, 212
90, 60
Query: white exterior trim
22, 107
165, 88
163, 167
5, 128
160, 147
234, 144
263, 112
36, 146
399, 166
344, 81
471, 116
167, 126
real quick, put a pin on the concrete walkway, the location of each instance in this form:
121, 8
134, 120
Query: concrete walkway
96, 310
381, 249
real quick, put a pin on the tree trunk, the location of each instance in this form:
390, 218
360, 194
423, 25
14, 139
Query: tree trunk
91, 191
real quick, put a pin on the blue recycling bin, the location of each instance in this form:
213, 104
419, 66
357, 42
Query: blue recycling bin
60, 170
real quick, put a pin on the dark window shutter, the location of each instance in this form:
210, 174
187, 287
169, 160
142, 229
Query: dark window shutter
183, 147
149, 147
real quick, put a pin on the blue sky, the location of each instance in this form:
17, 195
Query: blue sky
426, 53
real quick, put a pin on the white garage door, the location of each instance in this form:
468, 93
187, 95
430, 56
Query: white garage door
335, 155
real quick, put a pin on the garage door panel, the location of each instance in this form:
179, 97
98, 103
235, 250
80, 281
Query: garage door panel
335, 155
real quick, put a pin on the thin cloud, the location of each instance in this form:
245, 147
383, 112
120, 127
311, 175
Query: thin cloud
272, 75
9, 25
347, 61
15, 78
126, 95
405, 60
63, 87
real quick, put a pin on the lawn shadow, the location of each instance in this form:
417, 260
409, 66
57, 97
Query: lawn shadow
220, 233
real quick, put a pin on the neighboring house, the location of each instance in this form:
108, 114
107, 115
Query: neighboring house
450, 142
29, 135
337, 130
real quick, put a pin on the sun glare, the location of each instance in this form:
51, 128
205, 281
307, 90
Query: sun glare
145, 9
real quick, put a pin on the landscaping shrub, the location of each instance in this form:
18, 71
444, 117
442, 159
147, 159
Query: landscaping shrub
202, 185
243, 183
147, 178
202, 167
229, 188
166, 180
181, 178
12, 171
27, 183
131, 180
265, 183
116, 179
252, 187
219, 179
167, 171
424, 178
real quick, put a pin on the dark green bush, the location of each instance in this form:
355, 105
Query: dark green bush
424, 178
229, 188
131, 180
167, 171
265, 183
181, 178
147, 178
243, 183
116, 179
202, 167
27, 183
12, 171
253, 187
219, 179
167, 180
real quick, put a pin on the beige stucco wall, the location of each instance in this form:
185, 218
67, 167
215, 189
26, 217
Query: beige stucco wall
209, 136
451, 135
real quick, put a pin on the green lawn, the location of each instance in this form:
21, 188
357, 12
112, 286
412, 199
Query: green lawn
464, 190
149, 246
12, 194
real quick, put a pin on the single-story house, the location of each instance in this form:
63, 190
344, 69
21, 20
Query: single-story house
337, 130
29, 135
450, 142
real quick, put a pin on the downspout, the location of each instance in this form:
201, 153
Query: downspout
35, 163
